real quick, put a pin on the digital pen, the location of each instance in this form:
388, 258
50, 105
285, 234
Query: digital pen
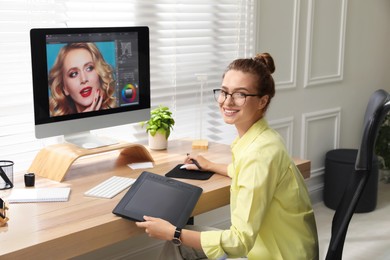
195, 162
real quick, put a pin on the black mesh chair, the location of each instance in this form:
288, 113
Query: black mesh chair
377, 108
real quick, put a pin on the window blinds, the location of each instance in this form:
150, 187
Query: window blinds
191, 44
17, 141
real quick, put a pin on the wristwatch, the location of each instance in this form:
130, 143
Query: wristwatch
176, 237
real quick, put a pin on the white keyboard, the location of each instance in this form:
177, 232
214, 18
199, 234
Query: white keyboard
110, 187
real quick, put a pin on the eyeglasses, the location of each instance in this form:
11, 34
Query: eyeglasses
238, 98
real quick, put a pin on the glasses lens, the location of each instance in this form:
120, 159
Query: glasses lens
218, 96
238, 99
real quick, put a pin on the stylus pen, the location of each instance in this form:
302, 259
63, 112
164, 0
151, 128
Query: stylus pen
195, 162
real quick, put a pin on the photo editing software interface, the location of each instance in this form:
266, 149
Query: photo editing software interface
118, 50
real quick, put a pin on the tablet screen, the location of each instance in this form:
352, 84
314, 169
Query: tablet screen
145, 193
159, 196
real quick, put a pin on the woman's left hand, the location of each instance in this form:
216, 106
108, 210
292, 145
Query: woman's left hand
157, 228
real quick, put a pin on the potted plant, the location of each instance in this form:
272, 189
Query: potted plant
382, 148
159, 127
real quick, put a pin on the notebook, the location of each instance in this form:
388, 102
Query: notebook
39, 195
159, 196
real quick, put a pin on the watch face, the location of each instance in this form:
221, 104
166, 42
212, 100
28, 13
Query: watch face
176, 241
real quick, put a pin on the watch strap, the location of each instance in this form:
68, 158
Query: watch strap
177, 233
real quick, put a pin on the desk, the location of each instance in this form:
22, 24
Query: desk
83, 224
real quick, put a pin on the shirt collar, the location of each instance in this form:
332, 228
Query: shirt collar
253, 132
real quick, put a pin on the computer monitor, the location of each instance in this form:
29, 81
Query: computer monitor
89, 78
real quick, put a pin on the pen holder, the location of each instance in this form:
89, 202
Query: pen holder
6, 174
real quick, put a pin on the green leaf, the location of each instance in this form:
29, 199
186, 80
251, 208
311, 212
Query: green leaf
160, 120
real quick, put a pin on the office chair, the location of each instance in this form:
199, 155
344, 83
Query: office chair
377, 108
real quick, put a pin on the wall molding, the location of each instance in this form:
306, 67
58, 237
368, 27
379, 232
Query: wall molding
285, 128
292, 81
309, 79
291, 43
309, 120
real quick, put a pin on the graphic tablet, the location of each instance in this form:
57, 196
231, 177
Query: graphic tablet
159, 196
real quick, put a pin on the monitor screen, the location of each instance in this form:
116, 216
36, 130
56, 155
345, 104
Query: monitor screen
89, 78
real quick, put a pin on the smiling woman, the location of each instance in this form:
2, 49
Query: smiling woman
269, 201
80, 81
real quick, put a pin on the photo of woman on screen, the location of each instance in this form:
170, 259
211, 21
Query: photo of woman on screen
80, 80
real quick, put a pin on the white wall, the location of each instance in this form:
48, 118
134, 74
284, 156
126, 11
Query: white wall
329, 60
330, 56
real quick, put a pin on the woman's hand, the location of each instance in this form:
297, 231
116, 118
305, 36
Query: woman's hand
96, 103
205, 165
157, 228
202, 162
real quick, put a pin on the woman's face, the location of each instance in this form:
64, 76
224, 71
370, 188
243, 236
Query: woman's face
244, 116
81, 81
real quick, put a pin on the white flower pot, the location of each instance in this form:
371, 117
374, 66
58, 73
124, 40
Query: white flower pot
158, 142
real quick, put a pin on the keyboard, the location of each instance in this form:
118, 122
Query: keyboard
110, 187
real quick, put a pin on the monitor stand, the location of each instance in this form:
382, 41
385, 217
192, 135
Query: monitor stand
88, 140
53, 161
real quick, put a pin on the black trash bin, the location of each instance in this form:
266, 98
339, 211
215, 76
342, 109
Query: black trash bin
339, 165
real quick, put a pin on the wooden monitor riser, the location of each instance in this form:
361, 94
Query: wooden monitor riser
53, 161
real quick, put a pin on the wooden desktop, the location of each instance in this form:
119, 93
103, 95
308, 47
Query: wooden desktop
61, 230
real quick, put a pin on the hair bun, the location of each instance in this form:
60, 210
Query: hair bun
267, 59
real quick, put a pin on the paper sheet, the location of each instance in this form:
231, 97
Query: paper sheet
143, 165
39, 195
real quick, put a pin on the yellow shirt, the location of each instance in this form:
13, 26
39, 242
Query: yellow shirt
271, 213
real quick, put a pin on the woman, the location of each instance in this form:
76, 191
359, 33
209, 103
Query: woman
271, 213
80, 81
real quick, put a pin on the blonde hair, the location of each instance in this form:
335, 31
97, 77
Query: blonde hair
59, 103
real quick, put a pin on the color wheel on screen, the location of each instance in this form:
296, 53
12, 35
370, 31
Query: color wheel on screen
129, 93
